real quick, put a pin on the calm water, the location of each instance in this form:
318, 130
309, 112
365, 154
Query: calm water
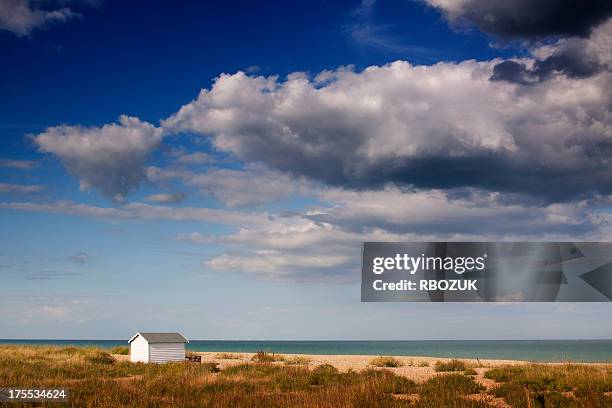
533, 350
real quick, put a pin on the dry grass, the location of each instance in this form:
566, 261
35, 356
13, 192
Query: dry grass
568, 385
124, 351
297, 360
263, 357
386, 361
228, 356
453, 365
96, 382
470, 371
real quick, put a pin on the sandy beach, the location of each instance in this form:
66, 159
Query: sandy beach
222, 379
418, 369
415, 368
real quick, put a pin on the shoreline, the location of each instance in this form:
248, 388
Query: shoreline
540, 351
403, 358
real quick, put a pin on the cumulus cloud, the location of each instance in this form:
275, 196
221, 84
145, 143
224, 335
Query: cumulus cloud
20, 188
251, 186
21, 17
442, 126
110, 158
513, 149
527, 19
537, 126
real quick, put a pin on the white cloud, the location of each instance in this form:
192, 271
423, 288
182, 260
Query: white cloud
166, 198
18, 164
325, 243
254, 185
444, 126
110, 158
20, 188
20, 17
441, 126
462, 214
142, 211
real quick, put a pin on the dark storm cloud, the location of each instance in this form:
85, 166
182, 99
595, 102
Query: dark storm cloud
571, 59
528, 19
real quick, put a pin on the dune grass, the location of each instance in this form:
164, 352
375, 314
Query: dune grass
297, 360
95, 381
264, 357
386, 361
453, 365
124, 351
566, 385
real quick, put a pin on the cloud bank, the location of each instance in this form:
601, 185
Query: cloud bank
444, 126
506, 149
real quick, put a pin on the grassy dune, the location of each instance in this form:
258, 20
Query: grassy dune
96, 379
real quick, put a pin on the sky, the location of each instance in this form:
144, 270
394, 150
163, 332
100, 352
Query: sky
214, 168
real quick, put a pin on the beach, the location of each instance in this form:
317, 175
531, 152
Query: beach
416, 368
104, 377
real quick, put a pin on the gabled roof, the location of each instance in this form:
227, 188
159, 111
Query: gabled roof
160, 337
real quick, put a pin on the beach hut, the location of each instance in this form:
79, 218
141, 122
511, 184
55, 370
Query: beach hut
157, 347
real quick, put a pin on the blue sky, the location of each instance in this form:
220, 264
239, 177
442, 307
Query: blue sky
214, 168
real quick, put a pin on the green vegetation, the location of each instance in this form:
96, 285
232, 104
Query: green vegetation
100, 357
455, 384
453, 365
567, 385
263, 357
97, 381
124, 351
386, 361
470, 371
297, 360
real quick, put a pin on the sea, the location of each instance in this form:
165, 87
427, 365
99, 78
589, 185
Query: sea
529, 350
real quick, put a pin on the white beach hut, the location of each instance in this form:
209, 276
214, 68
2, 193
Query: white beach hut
157, 347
